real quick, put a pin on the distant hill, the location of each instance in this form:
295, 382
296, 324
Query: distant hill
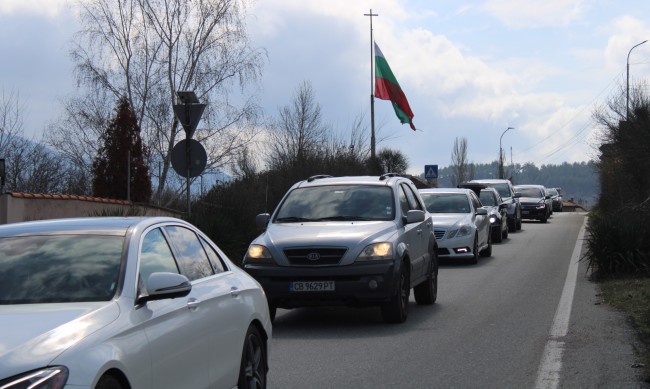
577, 180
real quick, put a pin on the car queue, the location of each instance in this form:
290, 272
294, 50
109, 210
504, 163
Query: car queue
106, 296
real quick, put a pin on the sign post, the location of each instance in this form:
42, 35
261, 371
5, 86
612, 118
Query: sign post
189, 114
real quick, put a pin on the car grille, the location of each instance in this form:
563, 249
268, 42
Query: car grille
315, 256
439, 232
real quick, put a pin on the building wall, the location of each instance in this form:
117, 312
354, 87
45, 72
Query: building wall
18, 207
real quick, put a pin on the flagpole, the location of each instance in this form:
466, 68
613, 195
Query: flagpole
372, 91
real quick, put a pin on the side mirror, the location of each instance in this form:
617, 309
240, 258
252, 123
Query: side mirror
414, 216
262, 220
161, 286
481, 211
503, 206
517, 195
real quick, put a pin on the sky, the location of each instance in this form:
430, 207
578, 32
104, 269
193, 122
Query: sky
470, 69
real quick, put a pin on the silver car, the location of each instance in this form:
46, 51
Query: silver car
126, 303
356, 241
461, 224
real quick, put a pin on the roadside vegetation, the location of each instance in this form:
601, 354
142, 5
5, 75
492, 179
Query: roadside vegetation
618, 248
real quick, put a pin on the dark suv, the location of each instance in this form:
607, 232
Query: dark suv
354, 241
508, 195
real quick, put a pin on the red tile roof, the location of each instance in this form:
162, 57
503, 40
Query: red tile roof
67, 197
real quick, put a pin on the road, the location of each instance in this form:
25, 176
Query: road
491, 328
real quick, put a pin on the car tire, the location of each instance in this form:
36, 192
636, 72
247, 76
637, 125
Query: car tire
108, 382
253, 367
504, 233
474, 259
512, 225
487, 252
496, 235
397, 309
272, 311
426, 292
518, 223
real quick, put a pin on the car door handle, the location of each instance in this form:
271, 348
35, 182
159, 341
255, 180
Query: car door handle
234, 291
193, 304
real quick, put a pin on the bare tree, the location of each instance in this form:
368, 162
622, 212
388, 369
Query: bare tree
462, 169
147, 50
11, 119
298, 133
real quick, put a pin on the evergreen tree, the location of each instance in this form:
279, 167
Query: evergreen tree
110, 167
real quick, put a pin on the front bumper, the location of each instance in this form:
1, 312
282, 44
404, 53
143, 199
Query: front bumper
359, 284
532, 212
456, 248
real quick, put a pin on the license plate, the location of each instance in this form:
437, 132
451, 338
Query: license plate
312, 286
525, 212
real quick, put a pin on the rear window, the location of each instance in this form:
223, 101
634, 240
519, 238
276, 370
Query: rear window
65, 268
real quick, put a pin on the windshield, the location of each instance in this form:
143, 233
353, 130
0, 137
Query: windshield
446, 202
488, 198
503, 189
530, 192
62, 268
337, 202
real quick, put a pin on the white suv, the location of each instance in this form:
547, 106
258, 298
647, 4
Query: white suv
353, 241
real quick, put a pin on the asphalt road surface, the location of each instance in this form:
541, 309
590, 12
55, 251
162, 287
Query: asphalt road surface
527, 317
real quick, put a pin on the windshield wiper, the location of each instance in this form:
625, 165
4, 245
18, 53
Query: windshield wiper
293, 219
345, 218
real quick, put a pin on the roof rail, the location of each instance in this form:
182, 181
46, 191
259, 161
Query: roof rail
318, 176
387, 175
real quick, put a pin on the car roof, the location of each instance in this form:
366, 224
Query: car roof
530, 186
492, 181
445, 190
320, 180
82, 225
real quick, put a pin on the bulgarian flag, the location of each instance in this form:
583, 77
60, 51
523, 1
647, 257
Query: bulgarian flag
387, 88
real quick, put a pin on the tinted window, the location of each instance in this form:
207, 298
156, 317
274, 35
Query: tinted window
215, 259
412, 198
155, 256
62, 268
502, 188
488, 198
192, 259
530, 192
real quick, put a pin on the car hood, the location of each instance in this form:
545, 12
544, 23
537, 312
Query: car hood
447, 220
353, 235
35, 334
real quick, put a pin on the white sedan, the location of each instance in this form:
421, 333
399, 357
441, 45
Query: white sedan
461, 225
126, 303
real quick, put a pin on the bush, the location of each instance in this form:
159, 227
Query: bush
617, 242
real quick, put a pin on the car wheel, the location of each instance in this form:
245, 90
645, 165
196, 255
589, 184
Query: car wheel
504, 232
474, 259
397, 309
488, 250
272, 311
512, 225
253, 368
426, 292
518, 223
108, 382
497, 235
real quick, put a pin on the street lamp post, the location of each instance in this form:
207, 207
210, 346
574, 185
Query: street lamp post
501, 152
627, 84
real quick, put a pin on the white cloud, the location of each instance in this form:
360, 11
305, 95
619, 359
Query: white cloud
535, 13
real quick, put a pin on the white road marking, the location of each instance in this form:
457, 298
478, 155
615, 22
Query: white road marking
548, 374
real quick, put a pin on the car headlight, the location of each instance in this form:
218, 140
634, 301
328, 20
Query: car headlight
493, 219
464, 230
53, 377
382, 250
258, 254
540, 206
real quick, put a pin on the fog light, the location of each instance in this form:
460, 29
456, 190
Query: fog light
372, 284
462, 250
